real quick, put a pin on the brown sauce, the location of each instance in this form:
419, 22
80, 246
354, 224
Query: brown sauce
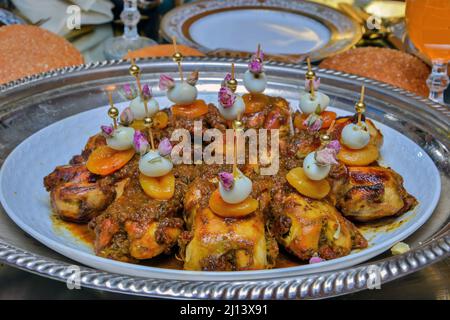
284, 260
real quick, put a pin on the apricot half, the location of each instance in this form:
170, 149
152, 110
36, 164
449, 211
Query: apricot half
105, 160
160, 188
228, 210
307, 187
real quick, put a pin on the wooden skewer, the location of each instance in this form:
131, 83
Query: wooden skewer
331, 127
232, 70
152, 142
311, 89
235, 169
258, 51
361, 100
174, 42
291, 124
308, 61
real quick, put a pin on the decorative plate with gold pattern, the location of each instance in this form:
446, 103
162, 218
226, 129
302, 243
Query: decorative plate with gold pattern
283, 28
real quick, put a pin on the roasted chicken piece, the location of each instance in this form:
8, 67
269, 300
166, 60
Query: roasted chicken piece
137, 227
212, 119
76, 194
307, 227
369, 193
214, 243
267, 113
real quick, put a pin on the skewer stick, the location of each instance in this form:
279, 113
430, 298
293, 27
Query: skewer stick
361, 103
138, 82
112, 106
258, 51
311, 80
308, 61
311, 89
152, 142
331, 127
232, 70
291, 123
235, 169
175, 47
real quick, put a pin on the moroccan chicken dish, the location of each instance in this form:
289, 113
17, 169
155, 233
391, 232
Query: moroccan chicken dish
140, 203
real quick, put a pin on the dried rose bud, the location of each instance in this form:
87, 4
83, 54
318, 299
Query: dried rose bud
107, 131
193, 78
166, 82
165, 147
316, 259
313, 122
225, 80
126, 117
227, 180
316, 84
335, 145
326, 156
226, 97
146, 92
128, 92
140, 143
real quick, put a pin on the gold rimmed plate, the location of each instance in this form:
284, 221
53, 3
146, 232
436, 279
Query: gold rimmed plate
287, 30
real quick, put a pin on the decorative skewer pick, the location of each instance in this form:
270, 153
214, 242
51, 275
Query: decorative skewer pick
360, 106
135, 71
113, 112
237, 126
177, 57
310, 76
232, 83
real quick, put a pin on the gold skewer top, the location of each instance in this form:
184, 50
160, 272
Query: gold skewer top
134, 69
232, 83
113, 112
310, 74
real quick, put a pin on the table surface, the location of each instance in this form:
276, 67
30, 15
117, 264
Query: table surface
431, 283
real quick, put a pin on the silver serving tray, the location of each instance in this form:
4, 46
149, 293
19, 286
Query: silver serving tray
30, 104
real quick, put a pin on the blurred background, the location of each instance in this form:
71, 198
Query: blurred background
326, 30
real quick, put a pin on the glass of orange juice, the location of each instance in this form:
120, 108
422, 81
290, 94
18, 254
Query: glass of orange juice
428, 24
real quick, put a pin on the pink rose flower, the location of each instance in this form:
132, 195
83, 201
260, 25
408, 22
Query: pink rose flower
192, 78
128, 91
165, 147
328, 154
146, 92
335, 145
166, 82
126, 117
107, 131
226, 79
227, 180
316, 259
140, 143
313, 122
226, 97
316, 84
256, 63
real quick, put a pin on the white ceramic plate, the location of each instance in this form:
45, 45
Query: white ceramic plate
280, 32
27, 203
282, 27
